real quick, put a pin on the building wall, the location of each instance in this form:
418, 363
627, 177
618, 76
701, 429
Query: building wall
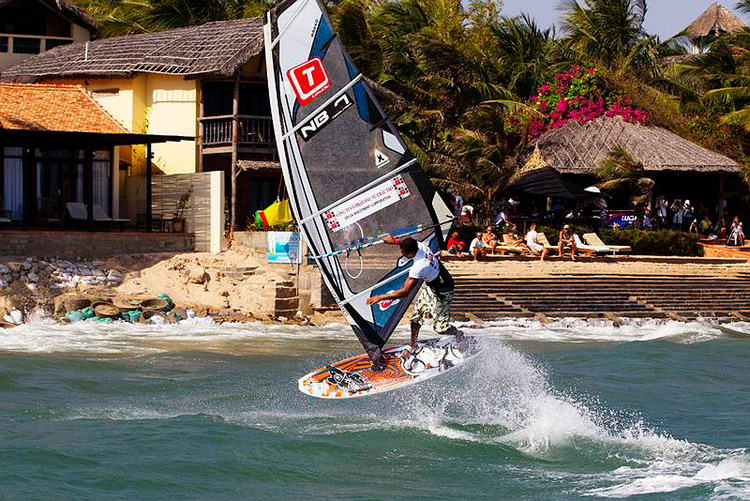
172, 104
80, 34
153, 104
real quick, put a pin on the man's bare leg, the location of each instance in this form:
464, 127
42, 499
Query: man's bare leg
415, 326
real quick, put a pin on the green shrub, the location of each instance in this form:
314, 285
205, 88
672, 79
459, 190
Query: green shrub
251, 226
654, 243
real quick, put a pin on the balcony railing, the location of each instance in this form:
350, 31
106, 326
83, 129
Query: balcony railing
255, 131
30, 44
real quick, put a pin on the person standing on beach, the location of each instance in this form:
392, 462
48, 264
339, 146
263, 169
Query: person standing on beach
687, 216
661, 212
676, 208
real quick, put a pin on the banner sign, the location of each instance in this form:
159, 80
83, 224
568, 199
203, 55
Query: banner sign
621, 219
284, 247
369, 202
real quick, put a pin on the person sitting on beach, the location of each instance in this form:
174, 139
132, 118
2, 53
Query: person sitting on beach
720, 229
705, 226
502, 221
532, 242
489, 240
736, 233
476, 248
566, 241
455, 244
694, 228
467, 211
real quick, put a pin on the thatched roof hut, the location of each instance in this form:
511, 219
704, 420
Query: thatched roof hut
717, 20
537, 177
581, 149
217, 48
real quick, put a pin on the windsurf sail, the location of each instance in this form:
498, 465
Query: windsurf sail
350, 177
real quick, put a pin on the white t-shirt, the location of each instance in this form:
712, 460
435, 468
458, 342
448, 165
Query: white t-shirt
476, 244
426, 266
531, 238
500, 218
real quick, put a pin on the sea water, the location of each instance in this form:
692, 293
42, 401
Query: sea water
570, 410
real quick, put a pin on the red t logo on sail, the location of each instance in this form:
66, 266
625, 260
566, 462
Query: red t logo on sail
309, 80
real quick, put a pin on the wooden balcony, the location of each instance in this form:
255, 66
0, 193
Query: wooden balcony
255, 134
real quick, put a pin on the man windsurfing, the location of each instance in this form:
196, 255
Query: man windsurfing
434, 299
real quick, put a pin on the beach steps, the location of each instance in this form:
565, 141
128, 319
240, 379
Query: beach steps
683, 298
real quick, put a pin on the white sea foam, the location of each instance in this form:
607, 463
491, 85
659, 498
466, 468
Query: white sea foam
45, 336
730, 478
510, 392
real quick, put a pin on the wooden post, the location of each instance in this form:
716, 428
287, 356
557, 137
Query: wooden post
235, 141
148, 187
88, 186
27, 190
199, 85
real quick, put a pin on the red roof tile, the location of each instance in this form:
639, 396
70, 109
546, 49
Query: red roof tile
62, 108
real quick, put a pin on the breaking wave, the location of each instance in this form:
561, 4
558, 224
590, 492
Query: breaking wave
46, 336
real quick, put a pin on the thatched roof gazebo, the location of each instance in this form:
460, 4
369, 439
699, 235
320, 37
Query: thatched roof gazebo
680, 168
218, 48
537, 177
581, 149
716, 21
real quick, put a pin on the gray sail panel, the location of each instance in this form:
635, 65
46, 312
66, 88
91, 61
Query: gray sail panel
350, 176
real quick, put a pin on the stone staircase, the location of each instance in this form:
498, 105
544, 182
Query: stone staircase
679, 298
235, 272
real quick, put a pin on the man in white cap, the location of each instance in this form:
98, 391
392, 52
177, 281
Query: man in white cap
566, 241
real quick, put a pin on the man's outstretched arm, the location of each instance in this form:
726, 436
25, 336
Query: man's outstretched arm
402, 292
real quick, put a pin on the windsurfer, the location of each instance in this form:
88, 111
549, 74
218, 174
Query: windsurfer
434, 300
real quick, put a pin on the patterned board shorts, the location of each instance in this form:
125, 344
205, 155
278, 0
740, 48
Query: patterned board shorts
437, 306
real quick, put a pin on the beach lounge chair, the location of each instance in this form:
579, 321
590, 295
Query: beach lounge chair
78, 212
590, 250
509, 245
593, 239
542, 239
5, 214
100, 215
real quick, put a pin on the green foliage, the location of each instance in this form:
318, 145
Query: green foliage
127, 17
183, 203
456, 75
252, 226
620, 172
654, 243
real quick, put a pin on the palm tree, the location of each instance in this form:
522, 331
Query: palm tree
608, 32
525, 53
124, 17
621, 172
725, 71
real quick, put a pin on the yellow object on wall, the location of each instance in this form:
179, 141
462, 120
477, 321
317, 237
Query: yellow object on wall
274, 215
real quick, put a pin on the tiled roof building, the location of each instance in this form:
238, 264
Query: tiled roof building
62, 108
